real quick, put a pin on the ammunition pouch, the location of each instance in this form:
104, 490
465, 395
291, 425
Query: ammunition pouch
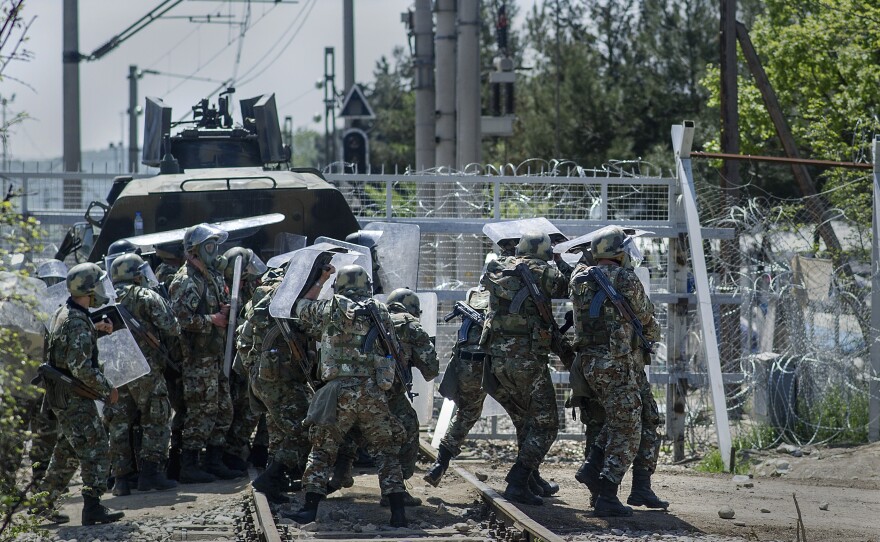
57, 395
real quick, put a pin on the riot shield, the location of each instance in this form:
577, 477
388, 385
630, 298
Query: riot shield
303, 270
584, 241
285, 243
512, 230
398, 254
233, 315
120, 357
364, 259
18, 314
51, 298
237, 229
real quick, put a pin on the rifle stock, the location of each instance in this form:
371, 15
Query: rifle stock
75, 385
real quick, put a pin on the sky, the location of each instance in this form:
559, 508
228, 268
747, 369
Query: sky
282, 51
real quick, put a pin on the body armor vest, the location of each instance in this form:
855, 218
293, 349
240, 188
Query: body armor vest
595, 317
344, 351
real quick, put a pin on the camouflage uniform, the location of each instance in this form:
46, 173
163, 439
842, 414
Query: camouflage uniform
519, 347
173, 381
613, 367
278, 383
466, 366
355, 378
148, 394
419, 353
194, 298
73, 348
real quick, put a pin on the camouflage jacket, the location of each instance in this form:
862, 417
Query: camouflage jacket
165, 274
503, 288
605, 327
73, 346
343, 327
152, 312
194, 298
418, 349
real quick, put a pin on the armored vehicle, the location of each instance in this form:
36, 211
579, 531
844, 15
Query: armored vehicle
212, 170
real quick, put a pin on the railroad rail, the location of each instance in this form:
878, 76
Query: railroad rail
504, 521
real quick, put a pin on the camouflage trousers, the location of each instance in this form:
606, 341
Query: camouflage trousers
45, 435
244, 419
208, 403
593, 418
614, 383
526, 392
469, 404
86, 438
286, 402
147, 398
361, 404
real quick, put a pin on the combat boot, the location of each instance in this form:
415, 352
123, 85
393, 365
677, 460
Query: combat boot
94, 512
172, 467
292, 478
234, 462
642, 494
607, 504
535, 487
548, 489
518, 486
213, 464
152, 477
438, 469
398, 510
49, 513
309, 511
408, 500
270, 483
341, 476
121, 487
259, 456
190, 472
589, 472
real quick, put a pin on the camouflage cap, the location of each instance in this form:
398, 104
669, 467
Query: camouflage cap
535, 244
608, 243
127, 268
84, 279
353, 279
406, 298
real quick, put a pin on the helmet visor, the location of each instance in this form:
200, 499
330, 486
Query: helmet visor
632, 250
256, 267
149, 276
103, 292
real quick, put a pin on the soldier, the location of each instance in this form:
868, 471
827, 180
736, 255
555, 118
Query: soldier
147, 395
462, 383
201, 304
518, 342
370, 239
609, 362
72, 348
279, 380
244, 420
357, 378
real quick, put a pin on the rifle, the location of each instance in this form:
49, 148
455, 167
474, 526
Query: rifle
623, 307
558, 344
296, 351
75, 385
469, 316
140, 332
392, 347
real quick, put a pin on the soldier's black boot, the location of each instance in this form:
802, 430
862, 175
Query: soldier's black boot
589, 472
607, 504
94, 512
534, 486
234, 462
213, 464
548, 489
408, 500
152, 477
341, 476
270, 483
259, 456
438, 469
190, 471
121, 487
642, 494
398, 509
309, 511
518, 486
172, 467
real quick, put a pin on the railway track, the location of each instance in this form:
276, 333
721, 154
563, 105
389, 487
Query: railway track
501, 520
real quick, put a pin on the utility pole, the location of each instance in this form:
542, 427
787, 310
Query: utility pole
556, 152
423, 32
468, 121
445, 48
133, 77
348, 48
72, 198
329, 105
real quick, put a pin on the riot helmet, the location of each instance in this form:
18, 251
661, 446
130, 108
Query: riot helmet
612, 243
203, 241
87, 279
364, 238
535, 244
52, 272
251, 264
122, 246
407, 299
352, 279
132, 268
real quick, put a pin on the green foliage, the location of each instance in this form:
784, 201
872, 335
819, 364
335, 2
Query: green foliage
712, 462
839, 416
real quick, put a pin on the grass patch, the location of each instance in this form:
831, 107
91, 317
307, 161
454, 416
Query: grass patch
712, 462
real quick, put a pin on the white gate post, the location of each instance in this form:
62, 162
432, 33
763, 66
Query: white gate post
874, 386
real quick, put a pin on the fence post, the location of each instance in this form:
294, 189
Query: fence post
388, 199
874, 382
682, 138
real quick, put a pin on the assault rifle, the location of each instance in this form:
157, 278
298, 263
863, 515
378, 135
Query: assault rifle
469, 316
296, 352
623, 307
140, 332
76, 386
392, 347
558, 344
